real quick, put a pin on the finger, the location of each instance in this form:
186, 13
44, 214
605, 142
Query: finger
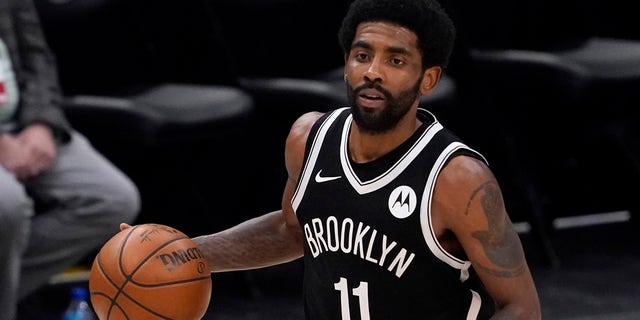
124, 226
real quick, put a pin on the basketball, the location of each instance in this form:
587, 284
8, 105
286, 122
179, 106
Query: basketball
150, 271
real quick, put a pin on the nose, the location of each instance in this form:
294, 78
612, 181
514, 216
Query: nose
373, 72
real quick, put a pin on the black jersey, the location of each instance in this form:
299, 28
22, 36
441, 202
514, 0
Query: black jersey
370, 251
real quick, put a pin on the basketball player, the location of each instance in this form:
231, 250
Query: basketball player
395, 217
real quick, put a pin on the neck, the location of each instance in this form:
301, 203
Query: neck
366, 146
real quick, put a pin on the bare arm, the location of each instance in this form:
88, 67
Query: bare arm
259, 242
469, 203
270, 239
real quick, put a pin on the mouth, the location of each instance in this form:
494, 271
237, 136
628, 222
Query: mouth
371, 98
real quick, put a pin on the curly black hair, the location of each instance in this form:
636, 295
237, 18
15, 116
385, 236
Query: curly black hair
426, 18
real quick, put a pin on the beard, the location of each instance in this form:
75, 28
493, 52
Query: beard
381, 121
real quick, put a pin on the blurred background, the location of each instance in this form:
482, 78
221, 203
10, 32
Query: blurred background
193, 99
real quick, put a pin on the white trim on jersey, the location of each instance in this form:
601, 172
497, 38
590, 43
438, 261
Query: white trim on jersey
425, 214
474, 308
393, 172
429, 233
307, 171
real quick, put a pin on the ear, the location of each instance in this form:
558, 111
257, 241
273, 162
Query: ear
430, 80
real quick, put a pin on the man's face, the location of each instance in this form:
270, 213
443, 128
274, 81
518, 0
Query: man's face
383, 75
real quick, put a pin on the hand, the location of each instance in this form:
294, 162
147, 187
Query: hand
29, 153
14, 158
124, 226
39, 143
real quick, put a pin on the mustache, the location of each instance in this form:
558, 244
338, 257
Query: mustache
373, 85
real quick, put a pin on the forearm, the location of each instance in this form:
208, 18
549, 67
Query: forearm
256, 243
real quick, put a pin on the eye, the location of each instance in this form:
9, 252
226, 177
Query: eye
361, 56
397, 61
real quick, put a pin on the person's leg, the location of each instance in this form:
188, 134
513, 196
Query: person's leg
16, 210
80, 202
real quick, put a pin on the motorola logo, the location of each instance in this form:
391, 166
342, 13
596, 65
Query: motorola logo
402, 202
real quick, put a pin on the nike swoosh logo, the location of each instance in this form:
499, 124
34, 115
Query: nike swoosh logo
321, 179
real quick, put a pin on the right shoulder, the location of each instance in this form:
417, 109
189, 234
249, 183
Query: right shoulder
302, 126
300, 129
297, 139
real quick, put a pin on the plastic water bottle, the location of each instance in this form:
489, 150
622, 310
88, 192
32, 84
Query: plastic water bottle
79, 307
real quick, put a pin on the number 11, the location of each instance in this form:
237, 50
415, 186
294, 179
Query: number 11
362, 292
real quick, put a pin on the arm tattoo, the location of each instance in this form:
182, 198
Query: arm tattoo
501, 243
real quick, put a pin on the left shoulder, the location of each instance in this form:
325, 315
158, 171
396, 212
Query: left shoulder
465, 170
465, 187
